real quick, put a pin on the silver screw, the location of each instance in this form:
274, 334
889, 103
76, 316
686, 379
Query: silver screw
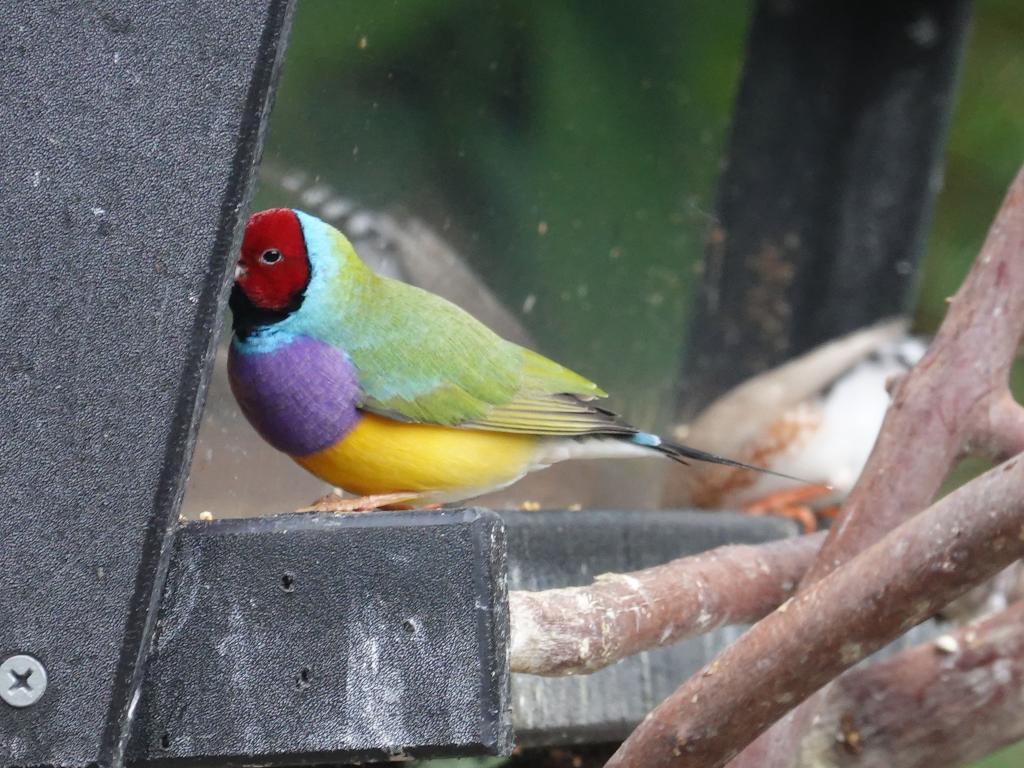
22, 680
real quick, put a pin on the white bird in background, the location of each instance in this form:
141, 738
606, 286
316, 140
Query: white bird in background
815, 417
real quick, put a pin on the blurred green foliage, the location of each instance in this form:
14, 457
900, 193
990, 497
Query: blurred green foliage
984, 150
570, 150
1007, 758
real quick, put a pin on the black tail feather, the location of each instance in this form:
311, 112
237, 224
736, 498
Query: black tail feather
681, 453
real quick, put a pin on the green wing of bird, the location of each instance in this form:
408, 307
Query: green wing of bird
422, 359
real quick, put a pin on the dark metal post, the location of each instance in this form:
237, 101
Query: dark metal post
831, 170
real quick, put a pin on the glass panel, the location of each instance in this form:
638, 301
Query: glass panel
550, 166
562, 155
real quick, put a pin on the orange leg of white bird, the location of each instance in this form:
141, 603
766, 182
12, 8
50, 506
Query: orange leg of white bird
790, 504
830, 512
332, 502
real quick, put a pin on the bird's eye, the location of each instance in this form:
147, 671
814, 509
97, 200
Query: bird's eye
271, 256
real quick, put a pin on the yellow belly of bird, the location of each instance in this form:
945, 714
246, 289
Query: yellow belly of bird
381, 455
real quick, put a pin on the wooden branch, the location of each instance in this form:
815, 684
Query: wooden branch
583, 629
1001, 434
943, 406
956, 400
895, 584
937, 705
882, 585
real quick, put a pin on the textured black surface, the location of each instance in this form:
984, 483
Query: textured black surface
832, 166
560, 548
129, 131
311, 639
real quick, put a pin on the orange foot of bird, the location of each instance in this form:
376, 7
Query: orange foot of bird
332, 502
790, 504
830, 512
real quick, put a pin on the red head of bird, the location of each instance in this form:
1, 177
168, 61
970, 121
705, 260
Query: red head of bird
273, 270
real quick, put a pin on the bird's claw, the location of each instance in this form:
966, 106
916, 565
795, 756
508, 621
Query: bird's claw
790, 504
332, 502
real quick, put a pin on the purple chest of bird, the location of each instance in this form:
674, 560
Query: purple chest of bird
300, 396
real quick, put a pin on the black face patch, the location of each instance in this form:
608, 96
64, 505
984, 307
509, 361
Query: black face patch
246, 317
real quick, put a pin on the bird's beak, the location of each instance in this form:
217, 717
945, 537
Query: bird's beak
239, 272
